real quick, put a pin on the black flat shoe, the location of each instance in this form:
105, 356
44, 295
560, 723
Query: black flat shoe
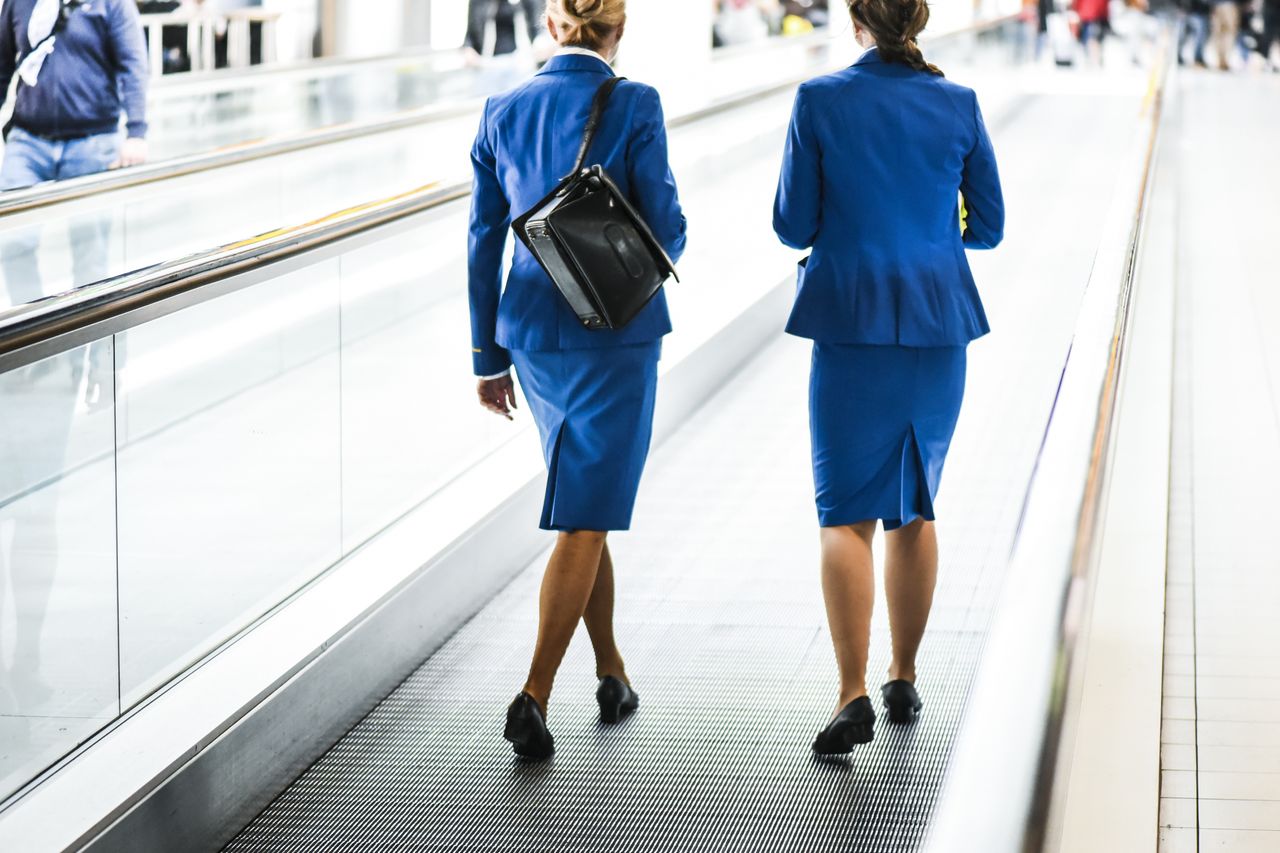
854, 724
527, 729
901, 701
617, 699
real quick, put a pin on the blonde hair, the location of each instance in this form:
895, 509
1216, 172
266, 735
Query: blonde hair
586, 22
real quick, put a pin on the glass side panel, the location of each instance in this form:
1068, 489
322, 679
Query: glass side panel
199, 117
228, 467
59, 678
41, 255
410, 421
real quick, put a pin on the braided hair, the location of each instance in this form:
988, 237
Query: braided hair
894, 24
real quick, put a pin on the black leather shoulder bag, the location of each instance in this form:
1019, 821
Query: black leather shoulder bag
594, 244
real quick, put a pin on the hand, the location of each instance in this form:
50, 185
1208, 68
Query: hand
498, 395
132, 153
470, 58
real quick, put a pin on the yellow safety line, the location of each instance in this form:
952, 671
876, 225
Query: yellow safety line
360, 208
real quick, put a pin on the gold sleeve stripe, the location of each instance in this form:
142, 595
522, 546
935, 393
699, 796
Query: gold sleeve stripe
475, 349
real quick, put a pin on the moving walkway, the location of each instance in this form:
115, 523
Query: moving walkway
305, 557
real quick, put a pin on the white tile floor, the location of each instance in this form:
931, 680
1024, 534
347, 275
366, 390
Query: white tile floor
1220, 740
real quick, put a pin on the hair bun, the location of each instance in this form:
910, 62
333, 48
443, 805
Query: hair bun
584, 10
588, 23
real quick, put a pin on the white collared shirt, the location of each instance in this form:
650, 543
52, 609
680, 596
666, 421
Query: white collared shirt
568, 50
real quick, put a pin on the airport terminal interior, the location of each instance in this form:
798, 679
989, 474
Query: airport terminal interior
269, 574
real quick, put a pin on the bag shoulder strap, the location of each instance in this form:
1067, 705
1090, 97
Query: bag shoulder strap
593, 121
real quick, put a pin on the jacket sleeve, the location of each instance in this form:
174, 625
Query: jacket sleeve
980, 186
797, 210
653, 186
490, 219
130, 52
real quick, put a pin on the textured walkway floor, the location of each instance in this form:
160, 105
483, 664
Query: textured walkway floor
720, 614
1220, 752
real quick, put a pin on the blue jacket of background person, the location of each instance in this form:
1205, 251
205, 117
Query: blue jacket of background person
527, 142
874, 158
98, 67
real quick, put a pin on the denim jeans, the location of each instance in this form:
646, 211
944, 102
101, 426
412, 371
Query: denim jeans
1195, 27
31, 160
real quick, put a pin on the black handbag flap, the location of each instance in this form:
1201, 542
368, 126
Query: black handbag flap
615, 264
596, 247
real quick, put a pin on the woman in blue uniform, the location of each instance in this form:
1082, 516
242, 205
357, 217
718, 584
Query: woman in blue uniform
591, 392
877, 157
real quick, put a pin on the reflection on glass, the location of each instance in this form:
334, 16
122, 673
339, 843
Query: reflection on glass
30, 160
228, 461
42, 255
58, 664
279, 106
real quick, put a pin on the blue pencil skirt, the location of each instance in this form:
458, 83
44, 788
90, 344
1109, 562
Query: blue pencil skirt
881, 420
594, 411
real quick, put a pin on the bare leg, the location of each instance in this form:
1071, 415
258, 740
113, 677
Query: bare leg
911, 573
599, 619
566, 588
849, 588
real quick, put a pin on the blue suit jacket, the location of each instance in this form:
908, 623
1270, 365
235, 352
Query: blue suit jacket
528, 141
875, 157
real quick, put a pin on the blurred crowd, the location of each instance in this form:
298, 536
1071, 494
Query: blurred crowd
746, 21
1238, 30
1237, 34
495, 27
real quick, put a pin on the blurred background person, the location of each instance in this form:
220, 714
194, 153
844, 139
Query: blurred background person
1270, 37
1225, 23
1095, 22
174, 49
1250, 33
804, 16
1139, 29
1194, 27
491, 26
1062, 31
745, 21
1031, 30
81, 66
